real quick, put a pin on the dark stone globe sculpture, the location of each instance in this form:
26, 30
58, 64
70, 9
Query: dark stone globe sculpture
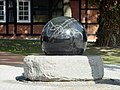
63, 36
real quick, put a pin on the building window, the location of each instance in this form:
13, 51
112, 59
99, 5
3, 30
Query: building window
23, 10
2, 11
57, 8
41, 11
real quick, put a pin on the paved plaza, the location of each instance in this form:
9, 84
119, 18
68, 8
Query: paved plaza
11, 77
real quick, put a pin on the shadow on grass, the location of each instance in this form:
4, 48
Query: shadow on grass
102, 51
110, 55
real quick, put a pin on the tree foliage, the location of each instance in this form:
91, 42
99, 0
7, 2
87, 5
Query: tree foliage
109, 22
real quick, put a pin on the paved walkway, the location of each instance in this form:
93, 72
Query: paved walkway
11, 59
11, 68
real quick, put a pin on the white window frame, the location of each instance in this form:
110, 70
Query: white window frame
4, 9
29, 15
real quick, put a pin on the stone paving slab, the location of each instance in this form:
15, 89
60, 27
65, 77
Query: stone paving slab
11, 67
8, 75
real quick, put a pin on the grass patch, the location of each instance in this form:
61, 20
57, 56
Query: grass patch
110, 55
33, 47
111, 59
24, 47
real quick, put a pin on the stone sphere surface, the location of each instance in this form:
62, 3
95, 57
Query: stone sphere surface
63, 36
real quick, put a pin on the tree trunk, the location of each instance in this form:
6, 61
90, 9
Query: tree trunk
67, 8
109, 25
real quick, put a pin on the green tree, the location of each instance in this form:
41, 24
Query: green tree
109, 22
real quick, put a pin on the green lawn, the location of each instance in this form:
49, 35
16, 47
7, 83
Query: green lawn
25, 47
110, 55
29, 47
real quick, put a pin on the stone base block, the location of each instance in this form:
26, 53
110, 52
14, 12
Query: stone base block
63, 68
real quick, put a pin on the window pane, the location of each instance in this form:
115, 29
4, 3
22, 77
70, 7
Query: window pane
56, 13
26, 3
41, 11
83, 16
1, 7
42, 3
92, 29
20, 3
1, 12
20, 13
1, 2
40, 18
20, 8
10, 3
1, 17
92, 16
25, 13
83, 4
25, 17
25, 8
20, 17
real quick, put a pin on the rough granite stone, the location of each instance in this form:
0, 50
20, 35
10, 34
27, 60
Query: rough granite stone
63, 68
